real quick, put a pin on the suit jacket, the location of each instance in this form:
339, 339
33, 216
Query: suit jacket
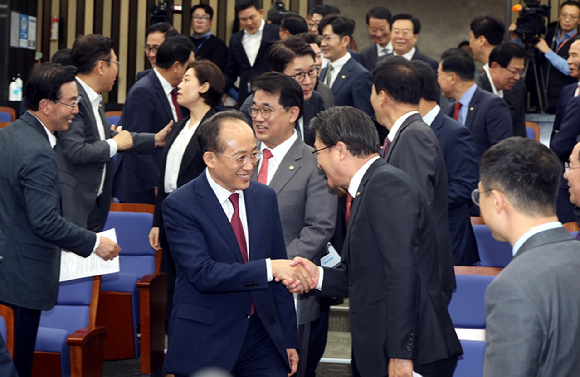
370, 57
326, 94
352, 87
397, 309
514, 98
307, 211
462, 174
142, 74
146, 110
238, 64
215, 289
427, 59
488, 119
213, 49
32, 229
416, 151
81, 156
532, 310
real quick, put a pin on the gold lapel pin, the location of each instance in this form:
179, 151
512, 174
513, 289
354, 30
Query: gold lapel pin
291, 167
471, 109
344, 76
358, 194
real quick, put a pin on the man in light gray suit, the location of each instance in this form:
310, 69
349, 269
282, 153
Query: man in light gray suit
532, 306
307, 207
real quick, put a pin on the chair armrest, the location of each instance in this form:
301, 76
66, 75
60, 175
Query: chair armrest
153, 303
87, 350
85, 335
153, 278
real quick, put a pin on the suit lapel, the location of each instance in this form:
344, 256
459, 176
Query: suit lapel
161, 96
265, 43
288, 167
438, 121
240, 48
343, 75
405, 124
472, 108
87, 108
192, 148
254, 225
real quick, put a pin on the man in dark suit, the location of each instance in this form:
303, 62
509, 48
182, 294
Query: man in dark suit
350, 82
151, 105
532, 305
483, 113
32, 230
295, 58
249, 47
459, 152
566, 131
85, 150
155, 35
413, 147
307, 206
227, 242
399, 318
379, 27
207, 45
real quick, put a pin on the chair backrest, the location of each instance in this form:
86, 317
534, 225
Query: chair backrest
4, 124
467, 306
113, 117
492, 253
533, 131
7, 114
470, 364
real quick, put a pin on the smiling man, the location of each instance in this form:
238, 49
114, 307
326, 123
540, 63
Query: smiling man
379, 27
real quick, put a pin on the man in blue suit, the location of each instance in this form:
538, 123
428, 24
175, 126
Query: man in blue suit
349, 81
151, 104
459, 152
566, 131
226, 238
484, 114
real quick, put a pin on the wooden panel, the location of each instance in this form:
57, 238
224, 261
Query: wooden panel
116, 314
46, 364
64, 25
98, 17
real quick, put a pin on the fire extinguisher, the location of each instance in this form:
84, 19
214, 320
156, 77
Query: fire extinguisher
54, 28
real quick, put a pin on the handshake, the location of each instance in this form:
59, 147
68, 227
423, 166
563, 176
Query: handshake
299, 275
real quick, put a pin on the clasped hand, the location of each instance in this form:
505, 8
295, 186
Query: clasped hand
298, 275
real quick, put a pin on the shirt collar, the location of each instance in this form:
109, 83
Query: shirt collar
533, 231
280, 151
568, 35
395, 129
221, 193
408, 55
493, 88
167, 88
339, 63
51, 137
430, 116
358, 176
257, 33
388, 47
204, 36
93, 96
467, 96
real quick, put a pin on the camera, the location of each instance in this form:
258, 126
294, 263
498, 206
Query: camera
159, 13
531, 23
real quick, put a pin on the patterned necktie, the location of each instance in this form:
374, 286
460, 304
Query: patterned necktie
329, 74
175, 104
349, 200
386, 146
456, 110
239, 231
263, 173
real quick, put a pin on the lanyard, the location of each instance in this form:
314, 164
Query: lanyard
201, 44
566, 40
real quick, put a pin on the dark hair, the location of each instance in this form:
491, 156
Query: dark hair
208, 133
283, 52
526, 171
463, 43
208, 9
280, 84
207, 71
399, 78
164, 28
459, 62
88, 50
380, 13
341, 25
429, 85
410, 17
324, 10
503, 53
245, 4
294, 24
349, 125
45, 82
178, 48
491, 27
309, 38
570, 2
62, 56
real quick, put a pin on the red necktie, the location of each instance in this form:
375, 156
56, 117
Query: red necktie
349, 200
175, 104
239, 231
263, 173
386, 146
456, 110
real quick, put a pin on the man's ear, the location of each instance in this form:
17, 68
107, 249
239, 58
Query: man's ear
209, 159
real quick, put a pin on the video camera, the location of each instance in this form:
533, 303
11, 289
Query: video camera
531, 24
159, 13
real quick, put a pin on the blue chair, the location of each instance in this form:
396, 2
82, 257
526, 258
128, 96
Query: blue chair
467, 306
533, 131
470, 364
113, 117
68, 343
530, 133
7, 327
132, 299
7, 114
492, 253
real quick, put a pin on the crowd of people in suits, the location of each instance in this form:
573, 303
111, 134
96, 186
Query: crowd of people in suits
331, 151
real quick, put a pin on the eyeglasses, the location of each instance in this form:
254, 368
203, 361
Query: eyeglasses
200, 18
313, 24
516, 72
109, 61
327, 37
475, 194
302, 75
568, 167
266, 112
405, 32
71, 105
149, 49
570, 16
242, 160
315, 152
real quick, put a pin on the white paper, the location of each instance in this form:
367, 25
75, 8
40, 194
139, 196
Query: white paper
31, 33
332, 258
14, 29
74, 266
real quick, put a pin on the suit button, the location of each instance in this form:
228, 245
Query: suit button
246, 316
409, 348
409, 343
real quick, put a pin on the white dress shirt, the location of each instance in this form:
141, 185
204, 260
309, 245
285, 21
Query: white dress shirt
167, 89
175, 156
223, 197
395, 129
533, 231
408, 55
336, 67
252, 42
278, 155
494, 90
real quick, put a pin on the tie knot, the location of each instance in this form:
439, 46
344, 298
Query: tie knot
267, 154
234, 198
174, 93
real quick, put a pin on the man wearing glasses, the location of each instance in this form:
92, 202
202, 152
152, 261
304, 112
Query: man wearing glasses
532, 307
155, 35
227, 242
207, 45
85, 151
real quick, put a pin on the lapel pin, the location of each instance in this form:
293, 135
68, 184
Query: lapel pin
343, 76
291, 167
358, 194
471, 109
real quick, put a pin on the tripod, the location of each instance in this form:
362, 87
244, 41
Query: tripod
539, 80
